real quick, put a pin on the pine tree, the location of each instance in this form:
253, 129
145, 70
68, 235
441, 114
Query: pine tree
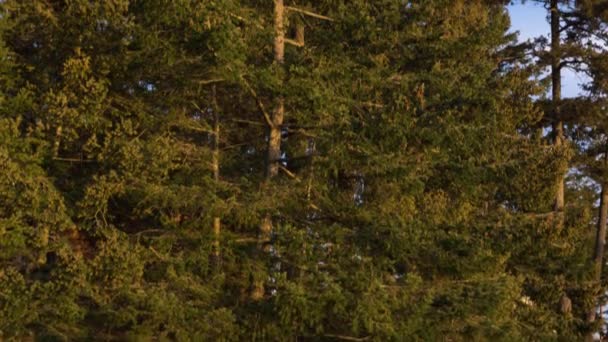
590, 135
253, 170
129, 156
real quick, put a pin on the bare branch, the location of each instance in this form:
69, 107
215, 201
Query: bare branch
74, 160
293, 42
211, 81
259, 102
289, 173
308, 13
347, 338
238, 17
157, 254
301, 132
247, 240
249, 122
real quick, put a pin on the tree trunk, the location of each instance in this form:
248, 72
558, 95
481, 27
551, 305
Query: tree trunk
215, 165
558, 125
273, 154
57, 143
274, 134
600, 243
556, 91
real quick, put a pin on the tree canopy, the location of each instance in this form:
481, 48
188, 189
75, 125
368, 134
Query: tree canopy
324, 170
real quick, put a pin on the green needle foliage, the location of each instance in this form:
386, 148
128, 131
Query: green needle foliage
414, 194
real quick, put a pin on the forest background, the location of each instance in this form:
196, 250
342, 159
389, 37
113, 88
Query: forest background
302, 170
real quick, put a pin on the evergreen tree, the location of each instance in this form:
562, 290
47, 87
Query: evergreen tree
254, 170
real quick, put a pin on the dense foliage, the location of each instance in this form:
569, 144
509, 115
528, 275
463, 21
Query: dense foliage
413, 198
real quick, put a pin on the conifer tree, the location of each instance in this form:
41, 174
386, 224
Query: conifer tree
590, 133
254, 170
574, 27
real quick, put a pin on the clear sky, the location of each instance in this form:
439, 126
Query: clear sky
531, 21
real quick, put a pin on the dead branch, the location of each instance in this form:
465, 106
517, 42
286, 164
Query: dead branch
308, 13
259, 102
347, 338
289, 173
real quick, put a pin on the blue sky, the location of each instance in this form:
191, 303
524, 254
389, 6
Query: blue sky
531, 21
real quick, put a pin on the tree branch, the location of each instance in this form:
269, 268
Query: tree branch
249, 122
211, 81
74, 160
293, 42
308, 13
289, 173
259, 102
347, 338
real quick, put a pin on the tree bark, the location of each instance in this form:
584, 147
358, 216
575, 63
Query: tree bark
274, 134
273, 154
556, 91
558, 125
215, 165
